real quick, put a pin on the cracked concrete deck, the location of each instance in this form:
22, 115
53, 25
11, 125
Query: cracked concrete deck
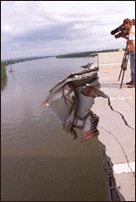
117, 122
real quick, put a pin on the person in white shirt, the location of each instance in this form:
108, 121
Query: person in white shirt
128, 25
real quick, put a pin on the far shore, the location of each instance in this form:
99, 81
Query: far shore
13, 61
86, 54
70, 55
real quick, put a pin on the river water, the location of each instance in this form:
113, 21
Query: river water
40, 161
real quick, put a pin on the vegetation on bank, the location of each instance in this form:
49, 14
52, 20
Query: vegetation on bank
3, 71
13, 61
70, 55
85, 54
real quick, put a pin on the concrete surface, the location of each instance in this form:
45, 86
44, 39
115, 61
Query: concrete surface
117, 122
114, 58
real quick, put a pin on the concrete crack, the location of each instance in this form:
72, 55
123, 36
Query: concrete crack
109, 103
121, 148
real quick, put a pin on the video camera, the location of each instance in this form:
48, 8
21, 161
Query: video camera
121, 30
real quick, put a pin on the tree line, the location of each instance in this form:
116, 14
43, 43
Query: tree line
85, 54
13, 61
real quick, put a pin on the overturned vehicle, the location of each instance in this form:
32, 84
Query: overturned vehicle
72, 99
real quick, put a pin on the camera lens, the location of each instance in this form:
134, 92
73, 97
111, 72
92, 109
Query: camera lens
115, 31
117, 35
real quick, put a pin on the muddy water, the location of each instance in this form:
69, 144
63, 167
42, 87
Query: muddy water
40, 161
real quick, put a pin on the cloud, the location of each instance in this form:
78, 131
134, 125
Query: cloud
53, 27
46, 34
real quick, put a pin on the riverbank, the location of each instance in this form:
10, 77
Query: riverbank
13, 61
3, 71
70, 55
86, 54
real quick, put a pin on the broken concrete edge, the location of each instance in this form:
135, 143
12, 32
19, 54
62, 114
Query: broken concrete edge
112, 190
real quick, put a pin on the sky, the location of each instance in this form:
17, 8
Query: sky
50, 28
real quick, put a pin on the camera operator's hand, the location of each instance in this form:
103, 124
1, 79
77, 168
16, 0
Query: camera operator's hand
125, 37
131, 45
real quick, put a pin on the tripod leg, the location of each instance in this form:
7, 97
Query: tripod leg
122, 79
120, 74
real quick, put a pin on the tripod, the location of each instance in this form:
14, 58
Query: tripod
124, 65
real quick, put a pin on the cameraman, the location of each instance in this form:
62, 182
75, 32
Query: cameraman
128, 25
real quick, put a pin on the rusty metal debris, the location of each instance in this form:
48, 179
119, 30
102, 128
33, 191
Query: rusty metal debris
72, 99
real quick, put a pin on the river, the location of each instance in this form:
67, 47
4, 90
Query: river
39, 160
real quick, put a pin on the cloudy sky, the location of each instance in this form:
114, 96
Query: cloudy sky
44, 28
